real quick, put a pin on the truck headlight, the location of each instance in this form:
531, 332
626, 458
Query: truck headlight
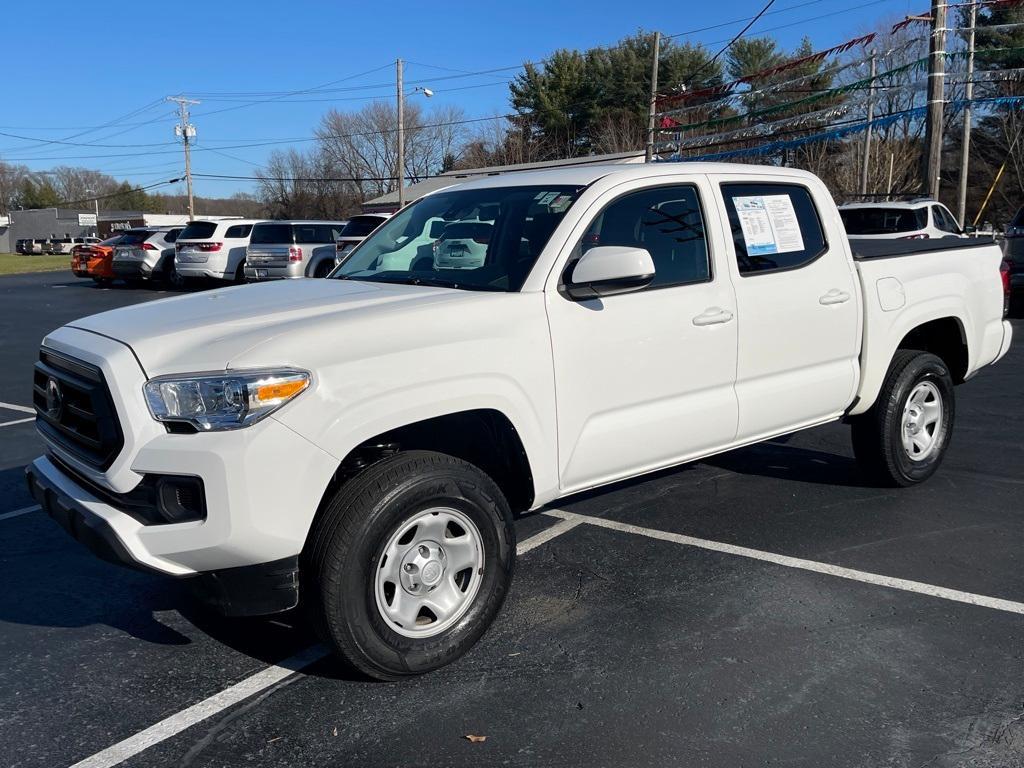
218, 401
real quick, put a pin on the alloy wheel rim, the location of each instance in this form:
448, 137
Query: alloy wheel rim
922, 428
429, 572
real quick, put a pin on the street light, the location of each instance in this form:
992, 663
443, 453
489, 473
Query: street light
400, 164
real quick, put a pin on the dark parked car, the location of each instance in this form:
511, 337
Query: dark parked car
1013, 250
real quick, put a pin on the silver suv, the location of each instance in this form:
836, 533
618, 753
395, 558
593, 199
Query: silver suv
147, 253
280, 249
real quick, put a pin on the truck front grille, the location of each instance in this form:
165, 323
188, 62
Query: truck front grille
74, 411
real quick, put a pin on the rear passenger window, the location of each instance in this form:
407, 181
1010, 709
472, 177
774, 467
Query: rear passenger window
306, 233
667, 222
774, 226
239, 230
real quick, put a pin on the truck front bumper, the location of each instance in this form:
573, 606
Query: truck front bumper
250, 590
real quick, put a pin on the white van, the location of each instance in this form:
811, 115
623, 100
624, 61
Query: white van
214, 249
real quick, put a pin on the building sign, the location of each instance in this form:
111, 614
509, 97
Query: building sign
113, 227
87, 219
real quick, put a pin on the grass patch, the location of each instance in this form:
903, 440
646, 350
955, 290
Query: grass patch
19, 264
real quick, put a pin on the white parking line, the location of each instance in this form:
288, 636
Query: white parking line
22, 408
18, 421
207, 708
795, 562
19, 512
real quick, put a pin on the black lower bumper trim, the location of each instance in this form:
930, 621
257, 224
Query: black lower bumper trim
248, 590
251, 590
83, 525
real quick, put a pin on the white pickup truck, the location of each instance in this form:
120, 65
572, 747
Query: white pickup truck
363, 443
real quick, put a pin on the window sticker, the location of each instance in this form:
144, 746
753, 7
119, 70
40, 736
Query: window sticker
543, 198
559, 204
769, 224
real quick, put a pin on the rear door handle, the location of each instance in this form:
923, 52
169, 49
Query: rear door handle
713, 316
835, 296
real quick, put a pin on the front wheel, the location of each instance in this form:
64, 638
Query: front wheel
902, 439
409, 564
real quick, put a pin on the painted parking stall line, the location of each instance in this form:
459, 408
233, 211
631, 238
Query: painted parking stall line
203, 710
852, 574
250, 686
17, 421
21, 408
19, 512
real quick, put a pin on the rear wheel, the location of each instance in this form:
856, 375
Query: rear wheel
902, 439
409, 564
240, 272
171, 276
323, 269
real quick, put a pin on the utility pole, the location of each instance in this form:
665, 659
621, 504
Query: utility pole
867, 133
965, 144
649, 153
187, 132
400, 163
936, 99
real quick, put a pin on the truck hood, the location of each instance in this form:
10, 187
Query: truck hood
207, 331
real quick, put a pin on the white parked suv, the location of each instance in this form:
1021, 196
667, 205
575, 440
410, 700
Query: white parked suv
362, 444
213, 249
922, 219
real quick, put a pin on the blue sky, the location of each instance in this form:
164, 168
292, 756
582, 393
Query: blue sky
232, 54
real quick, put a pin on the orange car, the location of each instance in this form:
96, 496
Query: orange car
95, 260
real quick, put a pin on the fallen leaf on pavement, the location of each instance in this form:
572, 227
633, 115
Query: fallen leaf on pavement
475, 739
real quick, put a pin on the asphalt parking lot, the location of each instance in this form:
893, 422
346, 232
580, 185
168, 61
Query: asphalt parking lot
766, 606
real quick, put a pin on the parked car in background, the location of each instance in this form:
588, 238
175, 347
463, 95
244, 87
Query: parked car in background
36, 245
95, 260
356, 230
213, 249
23, 246
923, 219
463, 245
147, 253
58, 245
286, 249
1013, 251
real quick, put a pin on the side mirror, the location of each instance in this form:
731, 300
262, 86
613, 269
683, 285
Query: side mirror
607, 270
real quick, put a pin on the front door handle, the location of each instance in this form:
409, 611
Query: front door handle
713, 316
835, 296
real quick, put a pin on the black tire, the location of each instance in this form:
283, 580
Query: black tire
347, 544
171, 277
323, 269
877, 434
240, 272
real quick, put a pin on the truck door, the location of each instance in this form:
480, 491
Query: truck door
645, 379
799, 310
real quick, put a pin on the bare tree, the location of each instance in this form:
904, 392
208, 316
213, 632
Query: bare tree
362, 145
11, 178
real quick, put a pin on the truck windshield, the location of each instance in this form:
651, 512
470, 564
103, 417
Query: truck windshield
883, 221
476, 239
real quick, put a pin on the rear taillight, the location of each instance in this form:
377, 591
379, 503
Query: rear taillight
1004, 273
148, 247
294, 253
920, 236
208, 246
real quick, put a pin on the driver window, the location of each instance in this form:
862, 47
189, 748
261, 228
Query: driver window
667, 222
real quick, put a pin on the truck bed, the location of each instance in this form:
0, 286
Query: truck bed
864, 250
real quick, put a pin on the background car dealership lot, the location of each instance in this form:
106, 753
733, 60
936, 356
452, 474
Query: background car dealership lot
729, 612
